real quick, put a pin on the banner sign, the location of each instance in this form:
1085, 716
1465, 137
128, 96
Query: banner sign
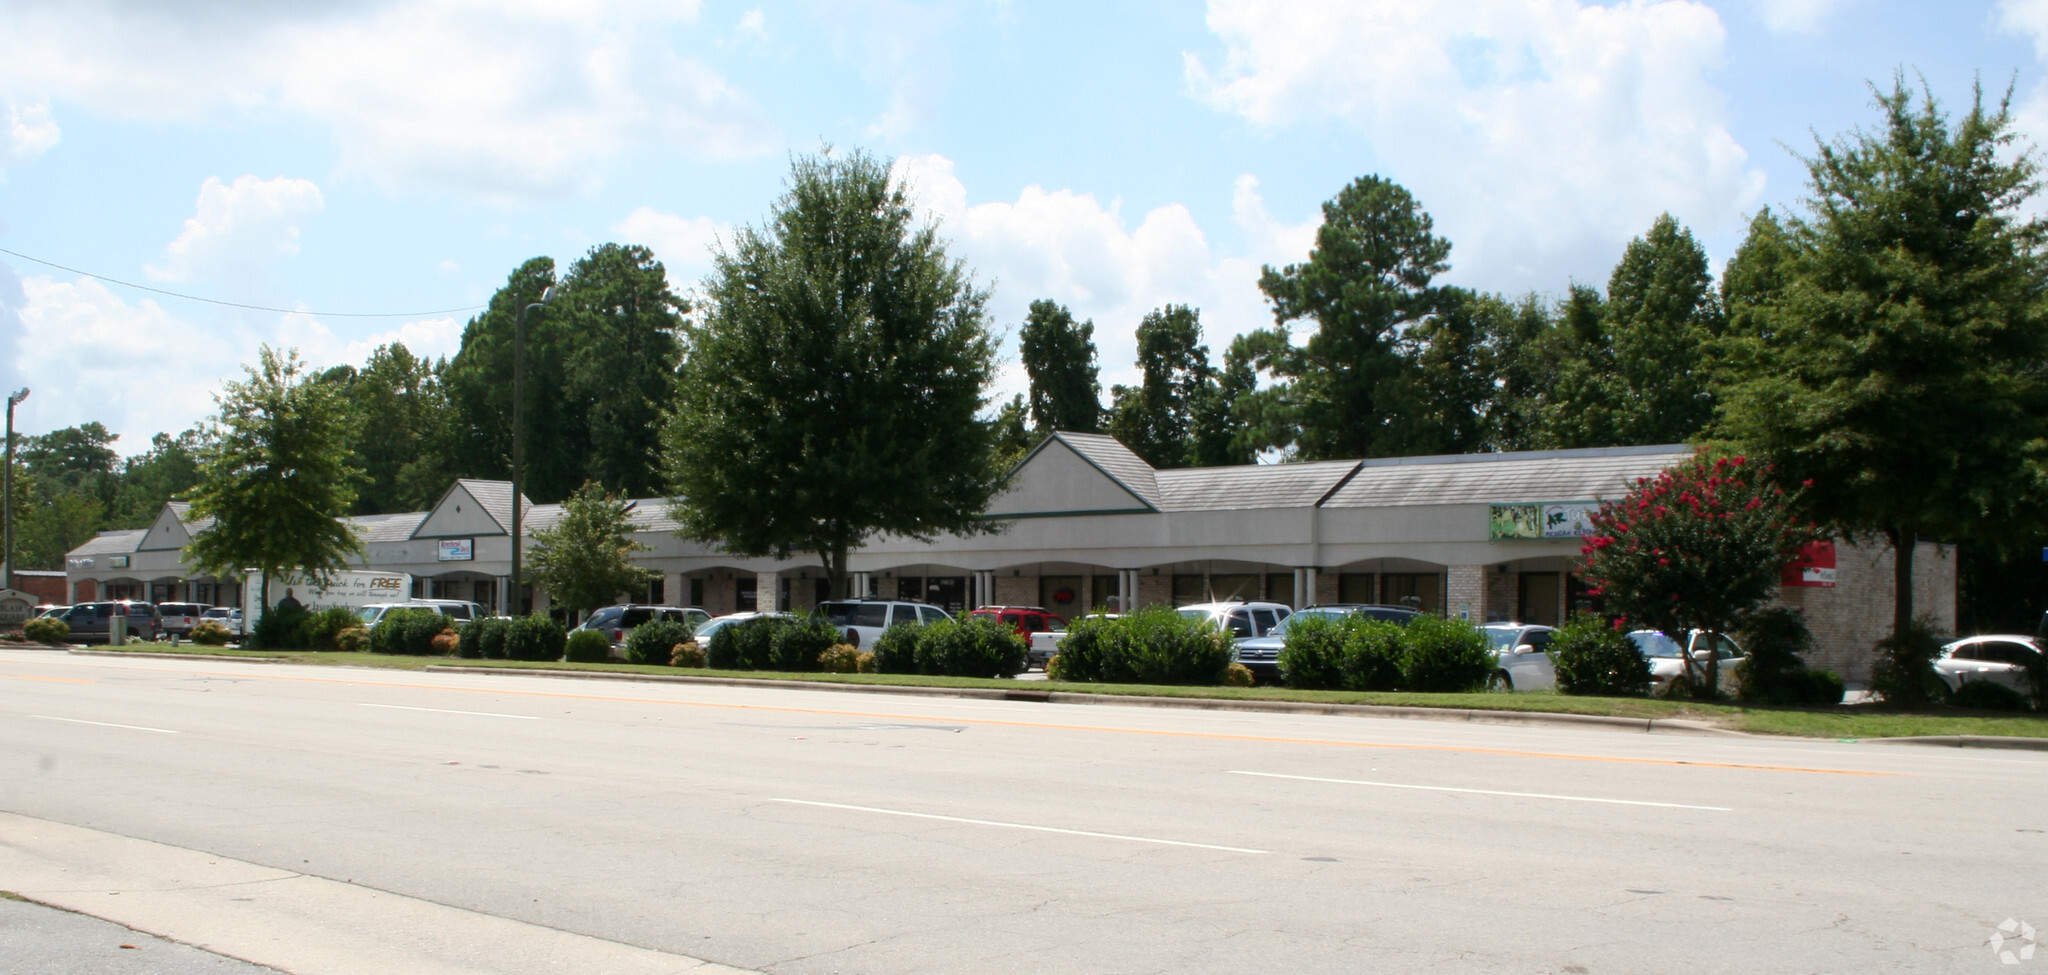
117, 561
458, 549
1541, 519
1815, 567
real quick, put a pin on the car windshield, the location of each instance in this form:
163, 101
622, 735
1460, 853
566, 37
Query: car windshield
855, 614
367, 614
1503, 637
1313, 612
1653, 643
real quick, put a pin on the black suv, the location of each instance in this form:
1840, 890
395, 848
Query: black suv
90, 622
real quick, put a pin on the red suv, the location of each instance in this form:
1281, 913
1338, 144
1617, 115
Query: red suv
1026, 620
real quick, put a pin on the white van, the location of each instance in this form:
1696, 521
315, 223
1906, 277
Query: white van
458, 610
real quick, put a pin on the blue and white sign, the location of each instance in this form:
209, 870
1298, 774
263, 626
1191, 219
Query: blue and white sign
458, 549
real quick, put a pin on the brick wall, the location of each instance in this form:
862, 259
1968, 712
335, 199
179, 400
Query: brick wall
1848, 620
1326, 587
1016, 590
1502, 588
1154, 590
1465, 589
46, 588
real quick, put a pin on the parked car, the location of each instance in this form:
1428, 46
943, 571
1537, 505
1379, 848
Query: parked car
862, 620
617, 621
1667, 657
228, 616
1261, 654
179, 618
1243, 621
2000, 659
49, 609
710, 627
1523, 653
1039, 628
461, 611
90, 622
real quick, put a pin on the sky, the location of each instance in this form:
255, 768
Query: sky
377, 169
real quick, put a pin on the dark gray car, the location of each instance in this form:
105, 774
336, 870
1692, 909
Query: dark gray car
1261, 654
90, 622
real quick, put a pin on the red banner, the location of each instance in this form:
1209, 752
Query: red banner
1815, 566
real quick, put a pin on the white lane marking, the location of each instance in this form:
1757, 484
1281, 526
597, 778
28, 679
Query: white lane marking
485, 714
105, 724
1485, 792
1039, 829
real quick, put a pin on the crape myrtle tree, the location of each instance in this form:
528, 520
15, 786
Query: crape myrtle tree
1891, 344
276, 477
1699, 546
833, 387
586, 560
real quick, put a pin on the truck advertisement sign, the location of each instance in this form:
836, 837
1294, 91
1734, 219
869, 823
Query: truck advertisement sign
346, 589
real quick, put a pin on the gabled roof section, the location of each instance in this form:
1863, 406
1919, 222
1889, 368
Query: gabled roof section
110, 543
387, 528
168, 531
1550, 475
1077, 474
1108, 455
1252, 486
645, 515
470, 508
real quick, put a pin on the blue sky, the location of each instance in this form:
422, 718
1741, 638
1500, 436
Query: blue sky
370, 156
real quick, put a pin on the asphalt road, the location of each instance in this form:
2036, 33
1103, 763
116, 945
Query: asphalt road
318, 819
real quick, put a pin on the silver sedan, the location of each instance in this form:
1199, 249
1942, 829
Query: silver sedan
2000, 659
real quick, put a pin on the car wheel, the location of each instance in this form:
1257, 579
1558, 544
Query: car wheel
1500, 681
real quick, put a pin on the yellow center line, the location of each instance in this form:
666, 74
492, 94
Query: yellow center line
1051, 726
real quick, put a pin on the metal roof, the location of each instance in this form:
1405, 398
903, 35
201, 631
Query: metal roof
1554, 475
1253, 486
112, 543
387, 528
1110, 456
496, 497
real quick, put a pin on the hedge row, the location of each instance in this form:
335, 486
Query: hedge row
1156, 645
973, 647
1356, 653
524, 638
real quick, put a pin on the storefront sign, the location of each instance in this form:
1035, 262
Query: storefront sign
117, 561
16, 606
1815, 567
87, 563
458, 549
1542, 519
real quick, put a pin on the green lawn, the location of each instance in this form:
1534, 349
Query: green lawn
1840, 723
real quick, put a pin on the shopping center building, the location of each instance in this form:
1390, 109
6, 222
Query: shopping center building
1084, 522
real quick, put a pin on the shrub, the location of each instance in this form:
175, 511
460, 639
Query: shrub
317, 630
840, 658
1445, 655
352, 640
686, 654
974, 647
1354, 653
588, 647
1904, 673
1592, 657
1238, 675
896, 650
409, 631
1774, 672
444, 642
1155, 645
747, 645
1984, 695
206, 633
47, 630
279, 628
1821, 686
865, 663
1054, 670
1313, 656
491, 639
535, 638
654, 641
797, 646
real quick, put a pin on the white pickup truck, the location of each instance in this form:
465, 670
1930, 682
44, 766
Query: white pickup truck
1045, 644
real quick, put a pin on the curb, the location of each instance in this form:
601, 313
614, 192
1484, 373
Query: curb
1475, 715
154, 655
1968, 741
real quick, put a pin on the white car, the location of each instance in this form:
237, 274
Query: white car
227, 616
1667, 658
459, 610
706, 629
1523, 656
2000, 659
862, 620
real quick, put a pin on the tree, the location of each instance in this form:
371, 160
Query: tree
1218, 431
169, 470
1059, 356
1155, 418
1697, 547
1900, 361
1013, 438
834, 386
586, 559
1662, 310
401, 431
1369, 276
276, 478
1439, 403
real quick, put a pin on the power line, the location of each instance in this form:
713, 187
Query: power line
237, 304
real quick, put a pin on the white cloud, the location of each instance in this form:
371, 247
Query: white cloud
1075, 250
496, 100
2029, 18
1795, 16
753, 25
428, 338
30, 133
684, 245
250, 223
1542, 134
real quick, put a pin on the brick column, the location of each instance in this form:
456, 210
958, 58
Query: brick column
767, 591
1465, 593
1154, 590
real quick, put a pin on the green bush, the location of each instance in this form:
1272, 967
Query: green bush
317, 630
1983, 695
535, 638
1239, 675
206, 633
840, 658
46, 630
408, 631
1445, 656
797, 646
1353, 653
974, 647
483, 638
588, 647
896, 650
1155, 645
654, 641
686, 654
279, 629
1904, 673
1775, 671
1821, 686
1594, 658
746, 645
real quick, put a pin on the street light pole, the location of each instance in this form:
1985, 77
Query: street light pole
7, 504
512, 598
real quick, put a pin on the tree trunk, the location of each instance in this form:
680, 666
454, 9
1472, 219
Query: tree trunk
834, 558
1903, 542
